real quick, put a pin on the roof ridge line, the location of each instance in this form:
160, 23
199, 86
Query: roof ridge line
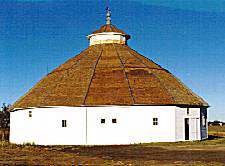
92, 77
75, 64
111, 27
189, 91
148, 60
165, 88
154, 75
72, 66
105, 28
68, 68
128, 82
53, 72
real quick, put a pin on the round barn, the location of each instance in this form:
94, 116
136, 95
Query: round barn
108, 94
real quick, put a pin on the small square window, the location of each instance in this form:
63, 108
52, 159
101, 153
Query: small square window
102, 120
188, 111
114, 121
64, 123
30, 114
155, 121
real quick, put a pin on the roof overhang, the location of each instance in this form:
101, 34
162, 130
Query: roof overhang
135, 105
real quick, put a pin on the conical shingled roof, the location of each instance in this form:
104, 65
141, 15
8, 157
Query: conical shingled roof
109, 74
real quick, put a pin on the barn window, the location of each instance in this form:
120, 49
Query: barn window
203, 121
30, 114
203, 117
64, 123
102, 120
114, 121
188, 111
155, 121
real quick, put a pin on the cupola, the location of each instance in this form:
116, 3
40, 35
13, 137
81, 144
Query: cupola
108, 33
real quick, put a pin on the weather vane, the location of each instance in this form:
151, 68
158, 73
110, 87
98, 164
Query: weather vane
108, 13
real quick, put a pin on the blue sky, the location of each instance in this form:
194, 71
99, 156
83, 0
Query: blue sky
187, 37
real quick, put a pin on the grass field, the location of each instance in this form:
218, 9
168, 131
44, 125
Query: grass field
217, 130
208, 152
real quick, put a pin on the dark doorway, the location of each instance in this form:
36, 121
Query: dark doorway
186, 121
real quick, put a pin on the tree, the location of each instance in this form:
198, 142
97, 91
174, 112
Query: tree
4, 116
4, 122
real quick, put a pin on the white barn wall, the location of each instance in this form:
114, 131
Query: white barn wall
134, 125
45, 126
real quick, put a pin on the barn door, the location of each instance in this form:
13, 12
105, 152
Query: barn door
186, 124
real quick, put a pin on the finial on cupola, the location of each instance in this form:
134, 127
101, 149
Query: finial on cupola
108, 16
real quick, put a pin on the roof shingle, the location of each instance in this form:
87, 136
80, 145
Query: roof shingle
109, 74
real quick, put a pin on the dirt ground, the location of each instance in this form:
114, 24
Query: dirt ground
208, 152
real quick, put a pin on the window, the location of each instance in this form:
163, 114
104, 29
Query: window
155, 121
188, 111
30, 114
64, 123
203, 121
102, 120
203, 117
113, 120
